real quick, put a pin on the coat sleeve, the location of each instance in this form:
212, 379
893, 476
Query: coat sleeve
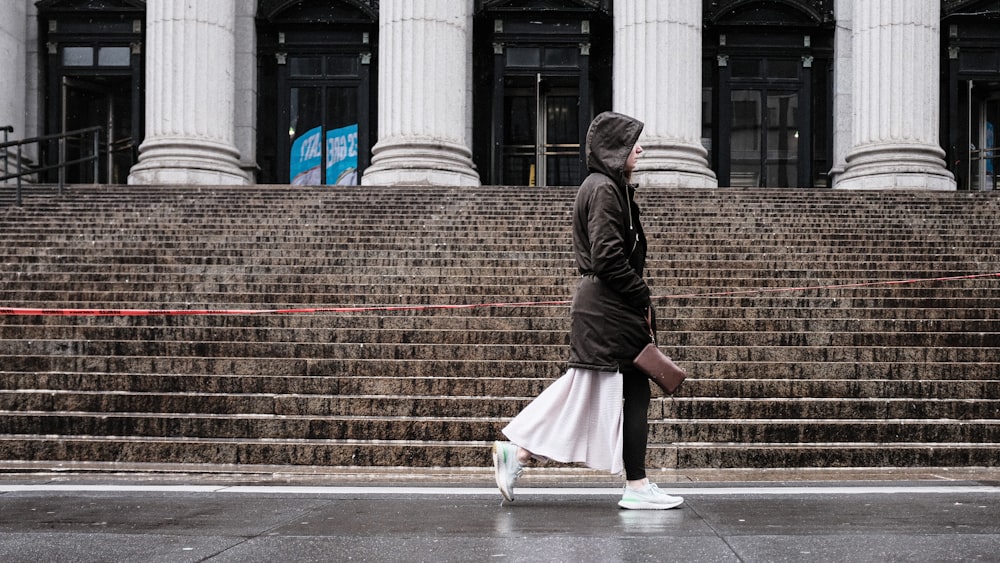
610, 251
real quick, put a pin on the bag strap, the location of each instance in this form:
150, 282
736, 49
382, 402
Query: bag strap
649, 324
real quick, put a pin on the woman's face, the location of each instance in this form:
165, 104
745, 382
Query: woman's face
632, 158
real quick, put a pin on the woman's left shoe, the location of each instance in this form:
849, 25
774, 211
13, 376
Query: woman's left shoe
506, 467
649, 497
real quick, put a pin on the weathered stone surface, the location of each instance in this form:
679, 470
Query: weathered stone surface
806, 319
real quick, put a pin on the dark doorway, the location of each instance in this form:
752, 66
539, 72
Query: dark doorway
93, 77
317, 91
542, 73
981, 104
768, 92
971, 102
765, 129
104, 102
541, 124
321, 112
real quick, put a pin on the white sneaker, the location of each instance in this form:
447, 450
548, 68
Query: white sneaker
649, 497
506, 467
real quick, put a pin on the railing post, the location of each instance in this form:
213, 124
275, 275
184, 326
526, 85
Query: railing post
97, 156
62, 161
8, 129
18, 189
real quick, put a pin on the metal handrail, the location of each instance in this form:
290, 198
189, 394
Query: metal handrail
61, 165
6, 129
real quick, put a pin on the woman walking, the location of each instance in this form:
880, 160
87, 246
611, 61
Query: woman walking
597, 412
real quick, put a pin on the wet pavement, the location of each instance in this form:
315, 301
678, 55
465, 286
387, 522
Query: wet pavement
86, 517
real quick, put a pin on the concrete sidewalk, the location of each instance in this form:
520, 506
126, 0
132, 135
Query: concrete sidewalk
558, 515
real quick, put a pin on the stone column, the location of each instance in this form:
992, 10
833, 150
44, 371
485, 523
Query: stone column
190, 91
245, 87
13, 61
657, 79
895, 96
425, 94
842, 80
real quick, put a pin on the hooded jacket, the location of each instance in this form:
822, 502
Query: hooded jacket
608, 314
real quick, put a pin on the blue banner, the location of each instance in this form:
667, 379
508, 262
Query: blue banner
342, 156
306, 157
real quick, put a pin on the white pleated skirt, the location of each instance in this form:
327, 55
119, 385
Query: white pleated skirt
576, 419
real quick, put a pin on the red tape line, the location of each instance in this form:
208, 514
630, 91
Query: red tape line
18, 311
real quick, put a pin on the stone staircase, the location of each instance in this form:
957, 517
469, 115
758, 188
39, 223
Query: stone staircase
402, 327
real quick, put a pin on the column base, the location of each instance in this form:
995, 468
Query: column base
897, 181
888, 167
187, 162
420, 163
674, 165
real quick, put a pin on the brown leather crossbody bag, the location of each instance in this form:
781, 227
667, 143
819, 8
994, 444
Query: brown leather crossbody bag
667, 375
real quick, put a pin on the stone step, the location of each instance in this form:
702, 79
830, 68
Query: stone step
836, 454
26, 276
844, 407
395, 453
514, 368
924, 347
327, 327
442, 205
527, 234
738, 304
451, 428
477, 225
238, 224
717, 276
500, 318
443, 385
149, 217
148, 220
486, 386
860, 242
401, 280
271, 451
280, 366
796, 431
298, 337
148, 338
745, 294
761, 310
415, 405
543, 319
291, 350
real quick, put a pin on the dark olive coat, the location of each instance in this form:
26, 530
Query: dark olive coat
609, 307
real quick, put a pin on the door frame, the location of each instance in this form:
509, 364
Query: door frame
981, 157
803, 158
727, 84
541, 148
760, 29
502, 71
62, 26
286, 29
104, 145
500, 27
362, 85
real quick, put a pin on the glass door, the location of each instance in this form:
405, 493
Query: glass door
322, 108
984, 115
764, 137
541, 144
560, 137
104, 102
92, 75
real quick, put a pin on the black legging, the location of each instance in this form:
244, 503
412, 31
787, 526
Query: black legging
635, 423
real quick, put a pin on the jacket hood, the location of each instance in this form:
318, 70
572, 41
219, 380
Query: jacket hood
609, 141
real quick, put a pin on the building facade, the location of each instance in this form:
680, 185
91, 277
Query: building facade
845, 94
